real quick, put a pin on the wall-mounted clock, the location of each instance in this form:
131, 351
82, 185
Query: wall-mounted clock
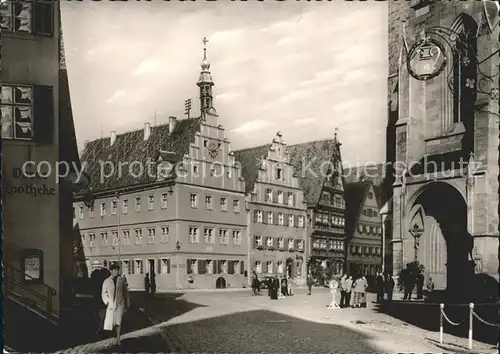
213, 149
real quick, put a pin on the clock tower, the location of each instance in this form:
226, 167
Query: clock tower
205, 84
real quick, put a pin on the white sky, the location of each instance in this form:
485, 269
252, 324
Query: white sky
302, 68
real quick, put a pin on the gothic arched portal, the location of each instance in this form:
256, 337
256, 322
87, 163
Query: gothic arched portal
444, 247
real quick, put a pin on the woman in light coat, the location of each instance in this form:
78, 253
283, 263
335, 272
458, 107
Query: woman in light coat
116, 298
359, 290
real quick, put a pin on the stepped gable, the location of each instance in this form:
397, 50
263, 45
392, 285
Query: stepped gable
250, 163
354, 195
131, 148
309, 160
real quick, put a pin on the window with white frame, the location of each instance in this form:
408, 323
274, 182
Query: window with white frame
258, 267
115, 240
164, 266
269, 195
114, 206
270, 217
281, 267
258, 240
281, 219
291, 220
125, 206
223, 267
301, 221
280, 197
151, 202
28, 17
269, 267
151, 235
223, 238
229, 173
138, 204
236, 237
209, 266
236, 206
301, 245
126, 237
208, 235
80, 213
17, 107
193, 198
258, 216
281, 242
138, 236
126, 267
223, 204
104, 238
139, 266
91, 240
237, 267
164, 200
165, 233
291, 243
91, 211
290, 199
103, 209
269, 242
193, 266
194, 234
209, 202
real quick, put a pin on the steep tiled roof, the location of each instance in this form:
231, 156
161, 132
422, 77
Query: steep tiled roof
372, 172
250, 161
131, 148
355, 195
309, 160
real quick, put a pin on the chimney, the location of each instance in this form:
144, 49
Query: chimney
113, 138
172, 122
147, 131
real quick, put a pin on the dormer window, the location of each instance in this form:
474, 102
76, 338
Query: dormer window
279, 173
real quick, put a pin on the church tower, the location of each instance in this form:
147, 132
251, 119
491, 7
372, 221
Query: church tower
205, 83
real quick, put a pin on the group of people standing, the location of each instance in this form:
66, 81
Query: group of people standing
277, 287
111, 298
385, 285
150, 284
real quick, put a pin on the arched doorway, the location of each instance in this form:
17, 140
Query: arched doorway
437, 229
220, 283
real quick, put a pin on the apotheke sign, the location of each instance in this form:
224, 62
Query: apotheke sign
33, 186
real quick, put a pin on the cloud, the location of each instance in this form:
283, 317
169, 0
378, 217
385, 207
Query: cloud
303, 121
147, 66
251, 126
221, 37
227, 96
117, 96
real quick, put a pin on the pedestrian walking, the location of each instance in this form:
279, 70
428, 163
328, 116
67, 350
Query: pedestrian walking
255, 284
284, 286
153, 284
310, 282
380, 287
430, 285
333, 284
348, 288
274, 285
98, 277
116, 298
389, 286
147, 284
420, 285
343, 291
291, 286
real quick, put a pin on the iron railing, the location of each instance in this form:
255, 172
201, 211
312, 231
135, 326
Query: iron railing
38, 297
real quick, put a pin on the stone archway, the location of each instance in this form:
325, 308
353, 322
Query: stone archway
438, 238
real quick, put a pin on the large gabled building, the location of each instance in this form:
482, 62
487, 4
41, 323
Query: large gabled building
363, 228
277, 210
176, 208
